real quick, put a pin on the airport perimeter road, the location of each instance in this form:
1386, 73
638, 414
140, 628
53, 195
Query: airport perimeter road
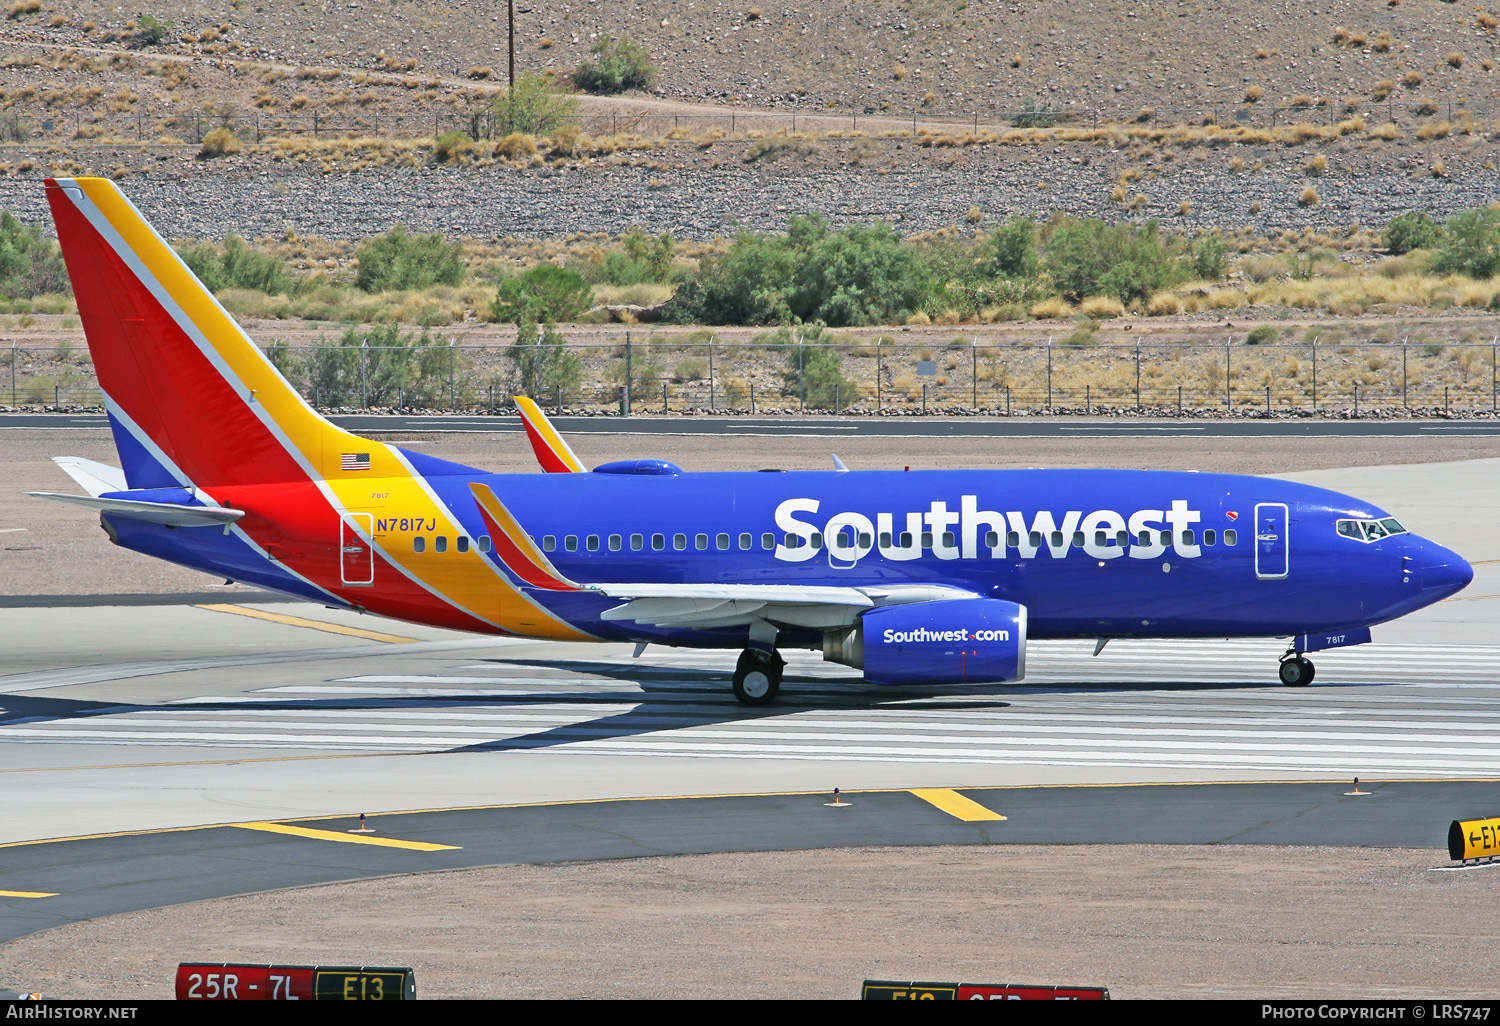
835, 427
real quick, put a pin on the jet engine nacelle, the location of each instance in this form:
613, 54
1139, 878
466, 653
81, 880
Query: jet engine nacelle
958, 641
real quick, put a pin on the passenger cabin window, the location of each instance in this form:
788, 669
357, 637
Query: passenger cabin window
484, 543
419, 544
1078, 539
593, 543
570, 542
637, 542
721, 542
950, 539
1231, 536
463, 544
615, 543
440, 543
700, 542
1035, 539
658, 542
1187, 537
549, 543
747, 542
992, 539
1013, 539
679, 542
1209, 536
926, 539
768, 541
817, 539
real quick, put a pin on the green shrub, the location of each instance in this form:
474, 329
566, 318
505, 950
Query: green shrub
616, 65
1129, 262
379, 364
397, 260
1470, 244
545, 293
1262, 335
237, 266
814, 370
1010, 251
1409, 231
1209, 257
29, 264
451, 146
533, 106
149, 31
541, 362
1034, 115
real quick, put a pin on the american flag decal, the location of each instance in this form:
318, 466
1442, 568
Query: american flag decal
355, 461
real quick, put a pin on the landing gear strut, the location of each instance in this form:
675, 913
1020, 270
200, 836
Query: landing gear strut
1296, 670
757, 676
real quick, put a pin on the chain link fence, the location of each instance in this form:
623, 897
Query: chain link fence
877, 377
187, 126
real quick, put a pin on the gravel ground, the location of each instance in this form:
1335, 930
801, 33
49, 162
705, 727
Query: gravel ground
1147, 922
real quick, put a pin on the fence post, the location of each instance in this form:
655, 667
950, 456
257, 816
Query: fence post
1049, 374
1268, 400
835, 399
364, 394
801, 382
13, 374
1137, 374
1228, 404
1404, 404
1356, 400
315, 397
878, 340
492, 397
974, 366
557, 400
1179, 400
625, 408
924, 398
1315, 372
1007, 400
450, 376
1088, 400
664, 397
752, 398
1445, 400
710, 374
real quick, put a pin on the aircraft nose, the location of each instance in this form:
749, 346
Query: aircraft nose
1443, 571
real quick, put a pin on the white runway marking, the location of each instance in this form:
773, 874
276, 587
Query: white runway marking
1398, 710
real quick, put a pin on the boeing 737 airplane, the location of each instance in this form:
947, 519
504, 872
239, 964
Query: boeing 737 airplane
920, 577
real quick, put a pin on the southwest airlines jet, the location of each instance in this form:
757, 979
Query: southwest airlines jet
923, 577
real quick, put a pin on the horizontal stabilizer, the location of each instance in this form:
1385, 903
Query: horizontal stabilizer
94, 478
168, 513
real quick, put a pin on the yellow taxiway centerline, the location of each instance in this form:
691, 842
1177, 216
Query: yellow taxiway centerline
334, 835
28, 894
317, 625
955, 804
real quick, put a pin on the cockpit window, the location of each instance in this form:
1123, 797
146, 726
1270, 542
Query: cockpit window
1370, 530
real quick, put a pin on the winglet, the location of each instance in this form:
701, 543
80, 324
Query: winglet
551, 450
514, 547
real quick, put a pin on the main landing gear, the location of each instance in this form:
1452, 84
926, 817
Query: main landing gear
757, 676
1296, 670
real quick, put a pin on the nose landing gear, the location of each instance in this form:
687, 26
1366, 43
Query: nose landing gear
1296, 670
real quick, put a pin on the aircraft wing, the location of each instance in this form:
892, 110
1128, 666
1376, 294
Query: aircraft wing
812, 607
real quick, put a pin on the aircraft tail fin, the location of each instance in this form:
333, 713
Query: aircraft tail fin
552, 450
190, 397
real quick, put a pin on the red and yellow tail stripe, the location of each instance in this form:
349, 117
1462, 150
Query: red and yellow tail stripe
552, 450
194, 388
